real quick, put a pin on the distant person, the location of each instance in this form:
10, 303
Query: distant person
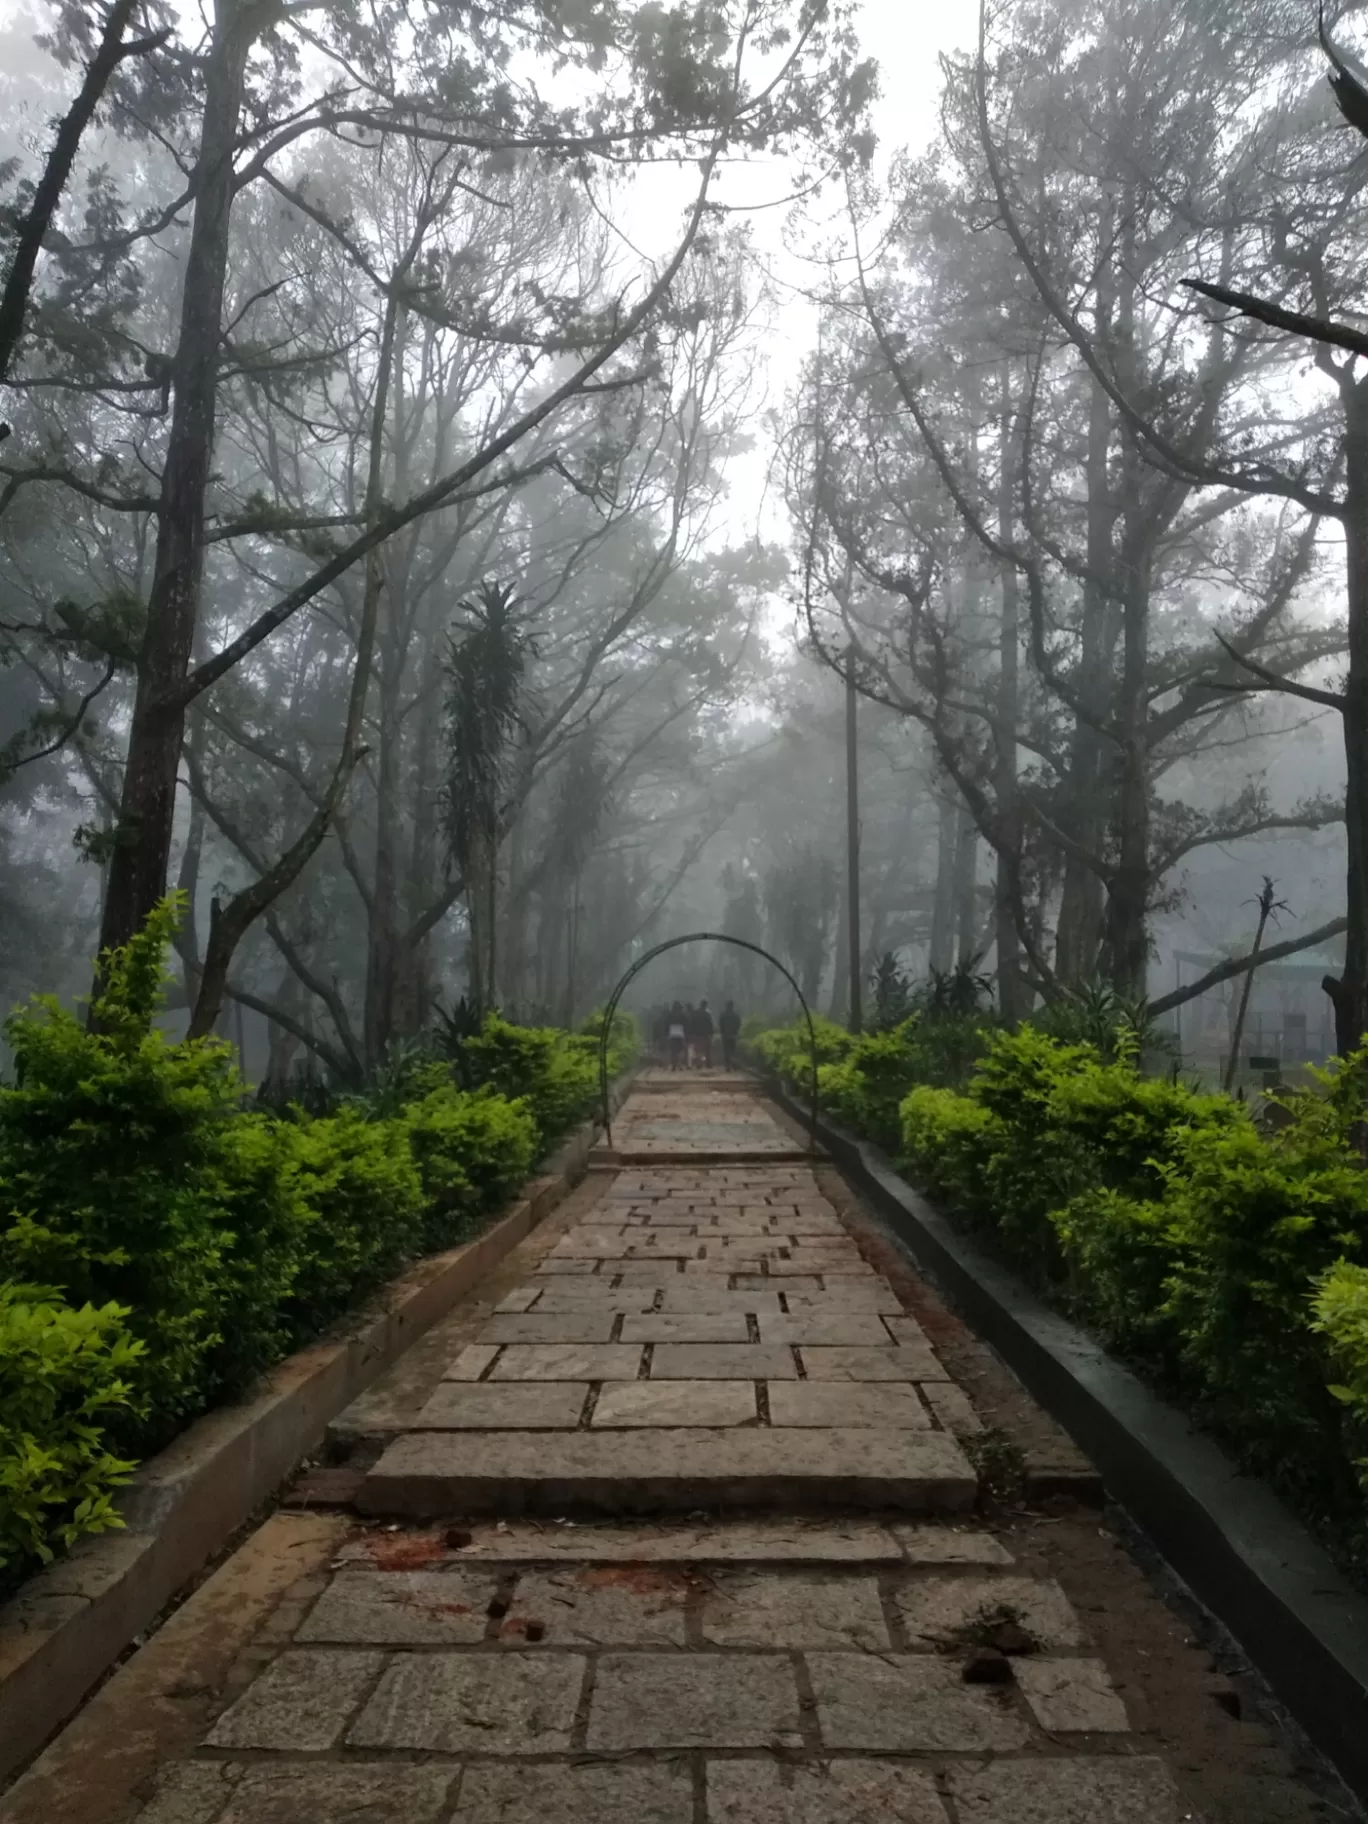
703, 1037
660, 1033
678, 1036
729, 1025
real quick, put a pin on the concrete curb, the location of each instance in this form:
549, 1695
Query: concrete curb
71, 1622
1227, 1535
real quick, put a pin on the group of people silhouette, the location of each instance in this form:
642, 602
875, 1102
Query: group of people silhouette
682, 1035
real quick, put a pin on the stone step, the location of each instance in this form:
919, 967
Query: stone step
429, 1475
622, 1159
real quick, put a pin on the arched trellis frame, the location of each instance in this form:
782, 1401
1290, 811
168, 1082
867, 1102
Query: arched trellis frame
673, 943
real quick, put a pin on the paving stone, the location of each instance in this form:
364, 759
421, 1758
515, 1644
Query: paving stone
846, 1295
676, 1402
519, 1300
907, 1330
945, 1609
862, 1329
691, 1297
425, 1475
695, 1700
471, 1363
301, 1701
568, 1362
456, 1703
1104, 1790
555, 1268
953, 1407
487, 1406
401, 1608
655, 1273
830, 1792
551, 1327
677, 1542
570, 1793
875, 1363
686, 1327
1072, 1694
948, 1545
881, 1406
793, 1609
759, 1282
722, 1361
909, 1703
360, 1794
619, 1605
190, 1792
596, 1294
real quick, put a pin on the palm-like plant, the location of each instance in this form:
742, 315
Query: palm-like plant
485, 667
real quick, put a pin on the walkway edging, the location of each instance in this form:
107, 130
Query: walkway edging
1228, 1536
71, 1622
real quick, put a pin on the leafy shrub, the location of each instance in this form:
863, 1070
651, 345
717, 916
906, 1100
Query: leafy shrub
361, 1189
555, 1072
470, 1151
1340, 1315
133, 1177
1257, 1221
63, 1373
787, 1051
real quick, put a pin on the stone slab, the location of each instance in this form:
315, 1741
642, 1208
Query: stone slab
401, 1609
198, 1792
830, 1792
552, 1792
687, 1327
796, 1541
861, 1329
696, 1700
568, 1362
615, 1605
1135, 1789
881, 1405
675, 1403
694, 1296
722, 1361
827, 1362
794, 1609
847, 1295
909, 1703
1072, 1696
948, 1610
485, 1406
949, 1545
471, 1363
558, 1327
300, 1702
459, 1703
791, 1288
425, 1475
953, 1407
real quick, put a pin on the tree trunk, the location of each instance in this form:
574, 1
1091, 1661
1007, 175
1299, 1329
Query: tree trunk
1349, 991
942, 948
966, 887
1012, 997
137, 875
852, 851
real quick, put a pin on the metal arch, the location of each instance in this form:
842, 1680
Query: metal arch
673, 943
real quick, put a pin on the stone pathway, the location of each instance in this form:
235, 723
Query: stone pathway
810, 1629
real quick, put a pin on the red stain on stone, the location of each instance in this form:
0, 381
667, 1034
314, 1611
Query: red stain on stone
405, 1551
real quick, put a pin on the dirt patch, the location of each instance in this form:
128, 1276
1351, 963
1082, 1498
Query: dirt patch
405, 1551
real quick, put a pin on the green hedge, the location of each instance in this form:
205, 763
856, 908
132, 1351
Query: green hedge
182, 1241
1226, 1258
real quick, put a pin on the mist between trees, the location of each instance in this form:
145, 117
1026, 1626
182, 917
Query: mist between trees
367, 485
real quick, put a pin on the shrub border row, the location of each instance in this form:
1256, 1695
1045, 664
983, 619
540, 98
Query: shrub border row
69, 1624
1227, 1535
